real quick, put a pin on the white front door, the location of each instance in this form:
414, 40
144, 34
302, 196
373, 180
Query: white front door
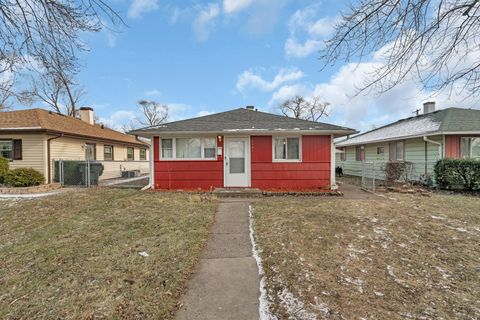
237, 162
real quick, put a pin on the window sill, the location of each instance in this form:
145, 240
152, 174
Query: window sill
287, 160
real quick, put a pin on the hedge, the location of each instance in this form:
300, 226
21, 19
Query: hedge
3, 168
458, 174
23, 177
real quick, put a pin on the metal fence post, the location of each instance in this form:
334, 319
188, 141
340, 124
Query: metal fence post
88, 173
61, 173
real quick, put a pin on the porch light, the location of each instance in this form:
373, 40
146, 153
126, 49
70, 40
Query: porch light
219, 138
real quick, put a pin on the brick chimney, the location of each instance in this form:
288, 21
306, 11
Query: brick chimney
86, 114
429, 107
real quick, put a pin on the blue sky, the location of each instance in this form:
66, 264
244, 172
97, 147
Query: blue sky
203, 57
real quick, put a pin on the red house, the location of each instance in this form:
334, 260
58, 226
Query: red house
243, 148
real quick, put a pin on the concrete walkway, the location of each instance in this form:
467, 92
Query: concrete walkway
226, 283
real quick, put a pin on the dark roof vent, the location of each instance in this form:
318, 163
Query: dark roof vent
250, 108
86, 108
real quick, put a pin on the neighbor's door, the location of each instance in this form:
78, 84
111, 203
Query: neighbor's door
237, 162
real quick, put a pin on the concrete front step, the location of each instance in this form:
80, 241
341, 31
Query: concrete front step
237, 192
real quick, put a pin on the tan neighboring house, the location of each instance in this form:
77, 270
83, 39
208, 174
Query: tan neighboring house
35, 138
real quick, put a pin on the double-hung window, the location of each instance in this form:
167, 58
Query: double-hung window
143, 154
107, 152
130, 154
188, 148
286, 149
396, 150
470, 147
360, 153
6, 149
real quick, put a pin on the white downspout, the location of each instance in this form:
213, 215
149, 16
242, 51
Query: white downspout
439, 144
333, 185
151, 183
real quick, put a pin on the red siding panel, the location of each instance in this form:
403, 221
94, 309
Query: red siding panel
187, 175
312, 173
452, 147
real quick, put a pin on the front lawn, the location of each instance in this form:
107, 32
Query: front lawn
401, 257
77, 255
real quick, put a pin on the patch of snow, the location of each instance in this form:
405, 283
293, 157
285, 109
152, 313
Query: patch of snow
437, 218
457, 229
378, 293
294, 306
357, 282
264, 305
144, 254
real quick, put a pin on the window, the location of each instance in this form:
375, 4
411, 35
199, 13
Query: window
360, 153
130, 154
380, 150
107, 152
143, 154
396, 151
167, 148
90, 153
6, 149
343, 154
470, 147
286, 148
189, 148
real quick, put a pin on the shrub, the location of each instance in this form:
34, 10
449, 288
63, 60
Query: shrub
458, 174
23, 177
396, 170
3, 168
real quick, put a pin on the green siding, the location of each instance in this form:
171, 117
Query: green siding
414, 152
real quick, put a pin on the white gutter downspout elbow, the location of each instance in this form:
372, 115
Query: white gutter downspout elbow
439, 144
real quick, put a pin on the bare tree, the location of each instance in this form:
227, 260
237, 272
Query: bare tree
308, 109
436, 41
57, 90
153, 113
40, 35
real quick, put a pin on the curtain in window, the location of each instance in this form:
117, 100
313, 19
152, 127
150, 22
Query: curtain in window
188, 148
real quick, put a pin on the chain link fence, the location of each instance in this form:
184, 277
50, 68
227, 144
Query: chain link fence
77, 173
376, 174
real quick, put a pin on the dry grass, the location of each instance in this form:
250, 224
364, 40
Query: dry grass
76, 255
404, 257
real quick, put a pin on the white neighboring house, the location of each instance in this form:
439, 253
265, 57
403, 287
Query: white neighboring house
35, 138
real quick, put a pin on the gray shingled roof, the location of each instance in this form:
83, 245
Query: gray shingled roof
438, 122
242, 120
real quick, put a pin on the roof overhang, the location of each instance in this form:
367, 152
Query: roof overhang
242, 132
346, 143
32, 130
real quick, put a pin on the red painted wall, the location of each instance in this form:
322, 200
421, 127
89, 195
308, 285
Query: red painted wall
187, 175
452, 146
312, 173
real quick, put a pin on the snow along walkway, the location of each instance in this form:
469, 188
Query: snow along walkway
226, 282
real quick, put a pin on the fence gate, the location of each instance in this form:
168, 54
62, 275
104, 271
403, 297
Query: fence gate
77, 173
369, 175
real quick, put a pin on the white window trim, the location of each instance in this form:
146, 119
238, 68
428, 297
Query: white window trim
174, 149
287, 160
11, 148
470, 150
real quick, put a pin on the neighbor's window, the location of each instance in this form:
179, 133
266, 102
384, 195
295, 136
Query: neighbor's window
130, 154
189, 148
343, 155
469, 147
396, 150
360, 153
167, 148
286, 148
6, 149
90, 153
107, 152
380, 150
143, 154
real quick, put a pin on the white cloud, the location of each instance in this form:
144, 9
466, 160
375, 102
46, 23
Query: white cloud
252, 79
232, 6
307, 32
204, 23
139, 7
118, 118
203, 113
289, 91
152, 93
